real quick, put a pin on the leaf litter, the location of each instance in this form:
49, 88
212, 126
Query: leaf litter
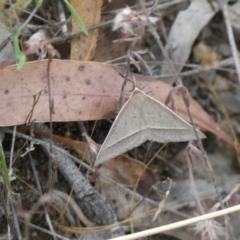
199, 13
100, 88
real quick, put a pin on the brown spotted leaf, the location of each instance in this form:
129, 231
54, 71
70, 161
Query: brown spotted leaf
82, 47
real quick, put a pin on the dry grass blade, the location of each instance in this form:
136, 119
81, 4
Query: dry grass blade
179, 224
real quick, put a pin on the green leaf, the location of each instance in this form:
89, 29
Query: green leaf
20, 4
76, 16
38, 3
5, 170
20, 56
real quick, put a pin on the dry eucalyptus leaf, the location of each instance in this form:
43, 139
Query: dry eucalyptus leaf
2, 5
185, 30
143, 118
81, 91
83, 47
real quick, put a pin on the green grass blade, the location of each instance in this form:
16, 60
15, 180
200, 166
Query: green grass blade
20, 56
76, 16
5, 170
20, 4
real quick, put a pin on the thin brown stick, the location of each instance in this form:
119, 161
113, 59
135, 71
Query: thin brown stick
70, 36
51, 111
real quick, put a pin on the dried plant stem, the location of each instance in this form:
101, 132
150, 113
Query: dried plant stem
220, 65
47, 217
9, 203
15, 220
30, 16
28, 215
44, 230
167, 163
180, 224
6, 195
123, 87
51, 110
193, 190
160, 45
70, 36
138, 181
126, 76
11, 153
210, 172
232, 42
225, 113
52, 165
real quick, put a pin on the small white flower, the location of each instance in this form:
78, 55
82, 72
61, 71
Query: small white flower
36, 42
124, 20
127, 20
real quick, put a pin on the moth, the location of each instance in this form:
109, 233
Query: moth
143, 118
